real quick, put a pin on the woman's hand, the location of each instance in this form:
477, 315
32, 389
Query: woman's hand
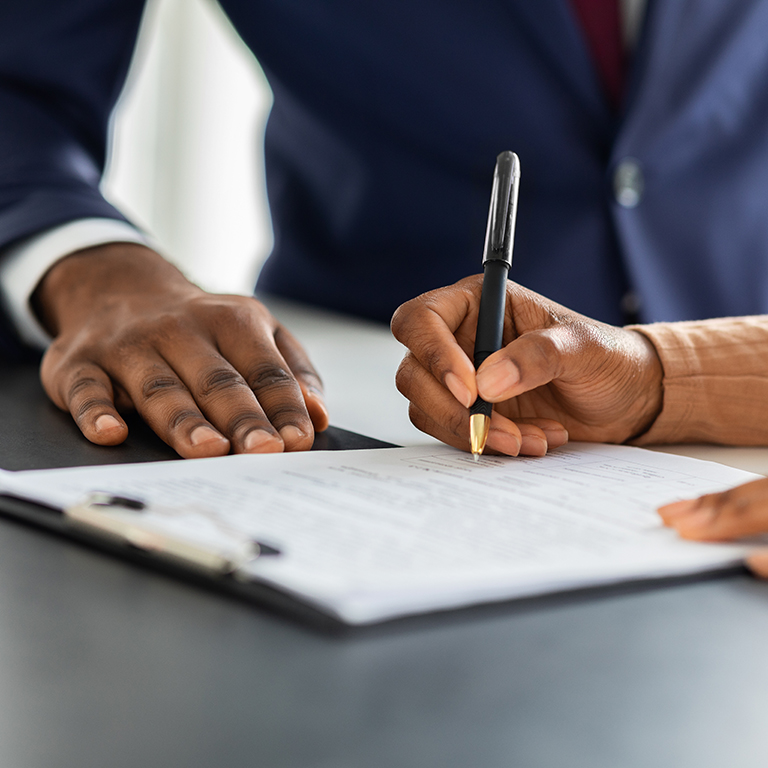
732, 514
559, 374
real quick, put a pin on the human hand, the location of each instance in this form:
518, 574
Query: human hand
208, 373
559, 375
732, 514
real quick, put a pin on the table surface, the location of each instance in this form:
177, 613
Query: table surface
103, 663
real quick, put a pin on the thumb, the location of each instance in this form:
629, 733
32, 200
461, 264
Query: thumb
530, 361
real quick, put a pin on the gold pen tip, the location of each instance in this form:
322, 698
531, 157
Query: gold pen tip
479, 424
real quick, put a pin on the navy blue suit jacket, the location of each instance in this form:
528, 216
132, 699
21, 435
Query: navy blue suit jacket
386, 122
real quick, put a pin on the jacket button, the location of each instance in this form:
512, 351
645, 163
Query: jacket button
628, 183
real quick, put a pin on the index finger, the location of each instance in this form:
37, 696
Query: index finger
732, 514
428, 326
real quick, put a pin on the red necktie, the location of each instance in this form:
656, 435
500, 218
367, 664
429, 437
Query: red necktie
601, 23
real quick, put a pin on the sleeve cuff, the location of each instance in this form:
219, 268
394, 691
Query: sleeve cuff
24, 265
715, 381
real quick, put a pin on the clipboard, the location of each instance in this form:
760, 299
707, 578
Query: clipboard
113, 525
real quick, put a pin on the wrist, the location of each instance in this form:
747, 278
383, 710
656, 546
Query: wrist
651, 384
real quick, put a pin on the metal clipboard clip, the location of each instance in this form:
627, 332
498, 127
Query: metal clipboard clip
190, 535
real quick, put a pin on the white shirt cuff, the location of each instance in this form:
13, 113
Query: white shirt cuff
24, 265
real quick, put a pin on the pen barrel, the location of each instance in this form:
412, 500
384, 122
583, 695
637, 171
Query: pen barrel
481, 406
493, 304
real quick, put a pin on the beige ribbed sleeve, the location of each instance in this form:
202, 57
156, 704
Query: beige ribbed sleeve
715, 381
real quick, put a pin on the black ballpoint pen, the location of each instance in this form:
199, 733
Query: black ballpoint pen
497, 259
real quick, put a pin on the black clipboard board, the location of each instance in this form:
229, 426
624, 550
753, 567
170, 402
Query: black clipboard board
55, 522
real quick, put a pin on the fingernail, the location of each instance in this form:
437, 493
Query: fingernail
458, 389
292, 436
292, 433
497, 379
261, 441
533, 445
106, 423
556, 437
504, 442
203, 434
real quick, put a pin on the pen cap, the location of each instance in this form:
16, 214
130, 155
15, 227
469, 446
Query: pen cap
500, 234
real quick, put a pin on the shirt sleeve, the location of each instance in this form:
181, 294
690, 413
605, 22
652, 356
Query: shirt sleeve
715, 381
24, 265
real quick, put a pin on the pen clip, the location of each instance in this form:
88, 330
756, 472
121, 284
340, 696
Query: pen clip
501, 218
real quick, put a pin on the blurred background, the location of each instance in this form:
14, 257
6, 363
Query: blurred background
186, 159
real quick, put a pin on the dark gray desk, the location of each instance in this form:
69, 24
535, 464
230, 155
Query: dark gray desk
105, 664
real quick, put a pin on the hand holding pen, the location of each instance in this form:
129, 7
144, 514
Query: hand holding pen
558, 373
549, 372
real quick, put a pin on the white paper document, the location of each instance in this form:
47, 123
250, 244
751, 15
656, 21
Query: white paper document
370, 535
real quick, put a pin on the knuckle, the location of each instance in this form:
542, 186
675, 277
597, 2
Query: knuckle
547, 347
160, 385
267, 376
221, 316
542, 352
167, 326
81, 385
408, 317
248, 306
404, 375
456, 423
181, 417
85, 406
285, 414
218, 380
245, 421
401, 318
427, 353
239, 313
134, 337
431, 358
130, 338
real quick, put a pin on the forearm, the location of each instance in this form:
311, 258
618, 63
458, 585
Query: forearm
715, 381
